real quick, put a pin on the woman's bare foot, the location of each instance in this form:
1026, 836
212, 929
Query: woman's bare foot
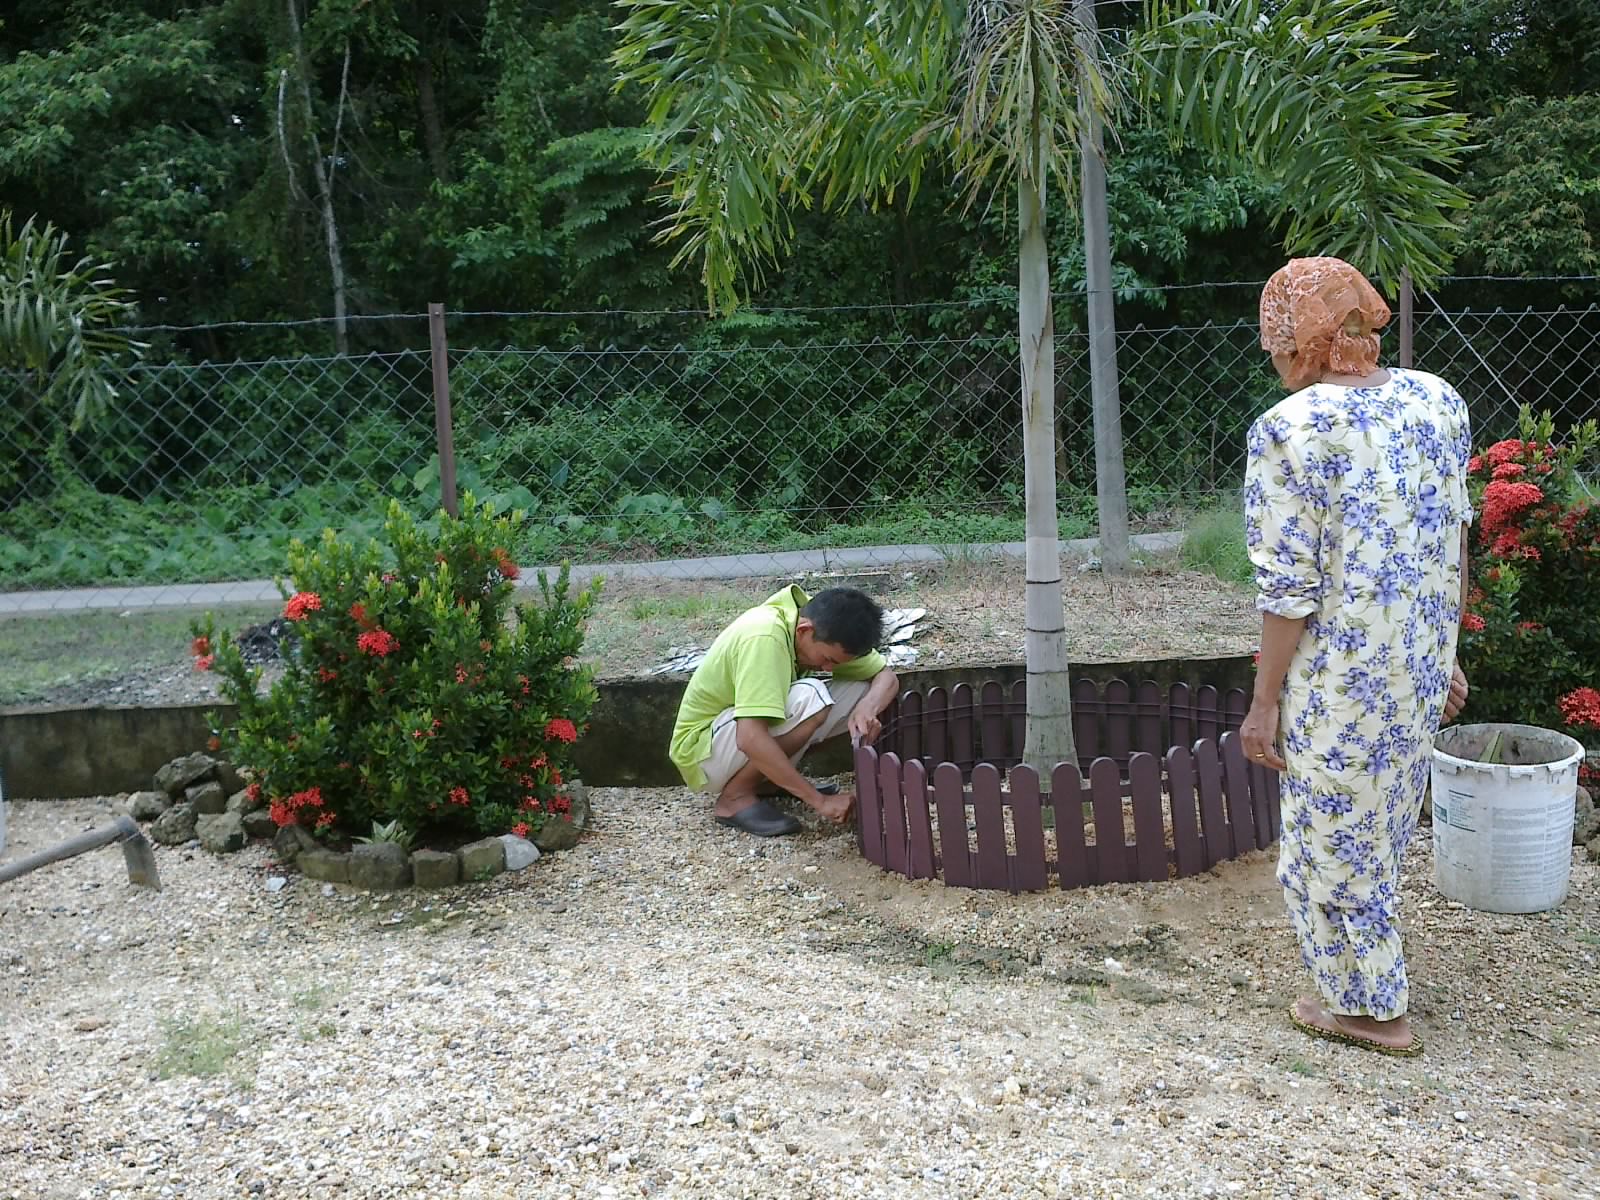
1395, 1034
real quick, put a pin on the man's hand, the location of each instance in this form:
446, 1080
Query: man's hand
864, 727
1457, 699
836, 808
1259, 731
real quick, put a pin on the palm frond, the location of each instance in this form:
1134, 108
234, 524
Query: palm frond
59, 319
1321, 97
1030, 70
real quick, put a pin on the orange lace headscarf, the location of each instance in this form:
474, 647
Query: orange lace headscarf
1321, 314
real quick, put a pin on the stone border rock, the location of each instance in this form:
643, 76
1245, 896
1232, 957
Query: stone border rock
198, 798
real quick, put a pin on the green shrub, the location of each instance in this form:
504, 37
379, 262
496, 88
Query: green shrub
1530, 640
413, 691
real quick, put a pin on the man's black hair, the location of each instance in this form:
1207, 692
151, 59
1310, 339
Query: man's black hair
848, 617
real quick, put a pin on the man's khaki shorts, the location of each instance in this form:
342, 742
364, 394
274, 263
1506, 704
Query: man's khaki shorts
806, 697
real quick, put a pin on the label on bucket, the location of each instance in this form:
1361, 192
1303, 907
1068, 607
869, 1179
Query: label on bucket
1511, 854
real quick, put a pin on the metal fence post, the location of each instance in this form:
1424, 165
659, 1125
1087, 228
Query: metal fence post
1407, 320
443, 431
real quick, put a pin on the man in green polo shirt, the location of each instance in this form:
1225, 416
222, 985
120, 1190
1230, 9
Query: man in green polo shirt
752, 708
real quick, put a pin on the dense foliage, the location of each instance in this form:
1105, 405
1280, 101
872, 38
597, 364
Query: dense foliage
413, 691
479, 154
1530, 639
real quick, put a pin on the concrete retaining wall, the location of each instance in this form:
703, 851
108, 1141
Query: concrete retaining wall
53, 752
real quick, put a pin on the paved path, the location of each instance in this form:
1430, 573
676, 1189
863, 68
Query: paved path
722, 566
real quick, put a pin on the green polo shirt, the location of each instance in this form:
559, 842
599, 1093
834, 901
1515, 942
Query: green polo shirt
749, 668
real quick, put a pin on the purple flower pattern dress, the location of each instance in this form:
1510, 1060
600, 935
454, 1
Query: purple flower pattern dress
1354, 501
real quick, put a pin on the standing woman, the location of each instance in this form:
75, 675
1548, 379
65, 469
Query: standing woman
1356, 516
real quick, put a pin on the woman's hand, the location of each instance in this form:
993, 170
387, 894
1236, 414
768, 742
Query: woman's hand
1259, 732
1457, 699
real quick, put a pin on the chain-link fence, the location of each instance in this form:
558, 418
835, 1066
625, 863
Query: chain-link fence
876, 450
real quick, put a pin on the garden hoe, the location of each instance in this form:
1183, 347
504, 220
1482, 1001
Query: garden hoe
136, 851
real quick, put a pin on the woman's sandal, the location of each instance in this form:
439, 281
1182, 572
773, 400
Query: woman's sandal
1411, 1050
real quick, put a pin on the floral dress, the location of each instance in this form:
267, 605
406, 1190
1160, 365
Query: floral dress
1354, 501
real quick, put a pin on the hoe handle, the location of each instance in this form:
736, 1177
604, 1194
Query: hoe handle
123, 829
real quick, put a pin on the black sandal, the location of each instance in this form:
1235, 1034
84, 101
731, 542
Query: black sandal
762, 820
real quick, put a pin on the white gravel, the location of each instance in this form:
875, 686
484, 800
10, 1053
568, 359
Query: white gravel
675, 1010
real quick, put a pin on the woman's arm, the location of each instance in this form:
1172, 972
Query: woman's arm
1279, 637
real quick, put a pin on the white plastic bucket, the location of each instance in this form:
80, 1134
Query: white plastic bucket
1502, 831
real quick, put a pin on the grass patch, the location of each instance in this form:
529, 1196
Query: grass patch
313, 998
46, 653
684, 608
1215, 543
203, 1047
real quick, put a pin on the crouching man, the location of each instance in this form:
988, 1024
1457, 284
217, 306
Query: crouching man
752, 707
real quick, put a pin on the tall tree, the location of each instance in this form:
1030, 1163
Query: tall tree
758, 111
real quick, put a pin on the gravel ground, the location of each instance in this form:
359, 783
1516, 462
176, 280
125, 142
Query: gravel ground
673, 1009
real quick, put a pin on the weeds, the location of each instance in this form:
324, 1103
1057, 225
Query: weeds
202, 1047
1215, 543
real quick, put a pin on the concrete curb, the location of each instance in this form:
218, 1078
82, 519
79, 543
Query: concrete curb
59, 752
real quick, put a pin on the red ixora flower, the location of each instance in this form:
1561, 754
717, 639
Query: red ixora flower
1474, 464
458, 795
560, 729
201, 646
520, 829
287, 811
1472, 622
358, 614
1506, 451
503, 563
1509, 470
300, 604
203, 663
378, 642
1503, 500
1581, 708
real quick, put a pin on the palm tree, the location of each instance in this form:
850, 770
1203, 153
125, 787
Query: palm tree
758, 108
58, 322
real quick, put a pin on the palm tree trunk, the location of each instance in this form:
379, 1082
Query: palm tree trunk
320, 172
1111, 484
1049, 717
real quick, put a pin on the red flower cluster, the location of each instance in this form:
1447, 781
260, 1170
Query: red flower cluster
1472, 622
1503, 500
458, 795
378, 642
287, 811
1510, 545
1509, 470
521, 829
358, 613
1581, 708
503, 563
300, 604
204, 662
327, 676
560, 729
1510, 450
200, 647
